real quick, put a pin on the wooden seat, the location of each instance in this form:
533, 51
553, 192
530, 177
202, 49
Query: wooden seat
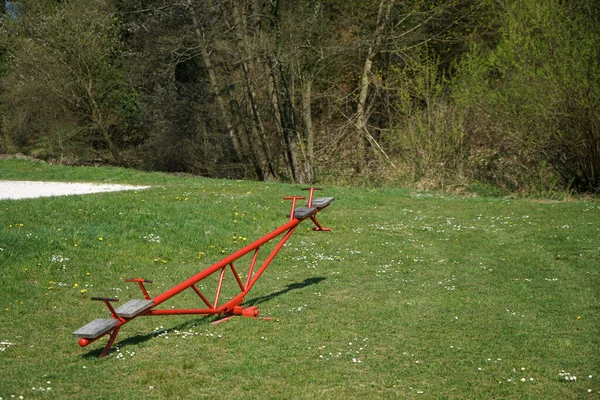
303, 212
95, 328
133, 308
322, 202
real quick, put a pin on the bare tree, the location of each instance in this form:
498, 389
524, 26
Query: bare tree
259, 140
362, 115
214, 82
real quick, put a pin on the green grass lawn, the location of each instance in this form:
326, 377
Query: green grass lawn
412, 295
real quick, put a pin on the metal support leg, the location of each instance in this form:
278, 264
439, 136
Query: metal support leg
111, 340
319, 227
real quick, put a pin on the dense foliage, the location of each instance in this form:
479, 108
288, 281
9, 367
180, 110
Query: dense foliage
429, 93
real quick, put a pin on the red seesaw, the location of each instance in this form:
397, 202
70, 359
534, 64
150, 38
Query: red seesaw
232, 307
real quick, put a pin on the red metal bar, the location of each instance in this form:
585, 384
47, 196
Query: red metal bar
235, 301
204, 299
319, 227
237, 277
220, 320
146, 294
111, 340
310, 196
112, 310
251, 268
107, 301
270, 257
227, 307
140, 282
293, 199
204, 311
217, 266
219, 287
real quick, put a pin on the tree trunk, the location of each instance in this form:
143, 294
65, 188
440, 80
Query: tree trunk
309, 136
280, 121
288, 122
214, 83
260, 142
362, 135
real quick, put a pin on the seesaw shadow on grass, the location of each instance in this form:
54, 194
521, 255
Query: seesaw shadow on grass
141, 338
289, 288
204, 320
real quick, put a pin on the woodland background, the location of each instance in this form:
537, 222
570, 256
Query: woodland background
500, 95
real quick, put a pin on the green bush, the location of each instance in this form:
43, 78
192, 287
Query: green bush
530, 104
428, 137
66, 93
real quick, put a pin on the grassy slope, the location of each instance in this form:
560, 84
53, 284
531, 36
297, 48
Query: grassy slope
452, 297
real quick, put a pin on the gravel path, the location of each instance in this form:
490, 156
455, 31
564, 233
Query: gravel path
14, 190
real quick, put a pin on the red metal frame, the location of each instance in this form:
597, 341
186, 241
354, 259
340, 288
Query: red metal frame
310, 204
141, 282
231, 307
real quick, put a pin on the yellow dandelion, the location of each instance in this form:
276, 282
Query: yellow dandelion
75, 285
101, 238
83, 290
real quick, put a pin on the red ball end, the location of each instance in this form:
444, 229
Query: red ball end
83, 342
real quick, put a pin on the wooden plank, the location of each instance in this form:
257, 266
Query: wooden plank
303, 212
322, 202
133, 308
95, 328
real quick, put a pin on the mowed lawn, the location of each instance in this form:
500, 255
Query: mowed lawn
411, 295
